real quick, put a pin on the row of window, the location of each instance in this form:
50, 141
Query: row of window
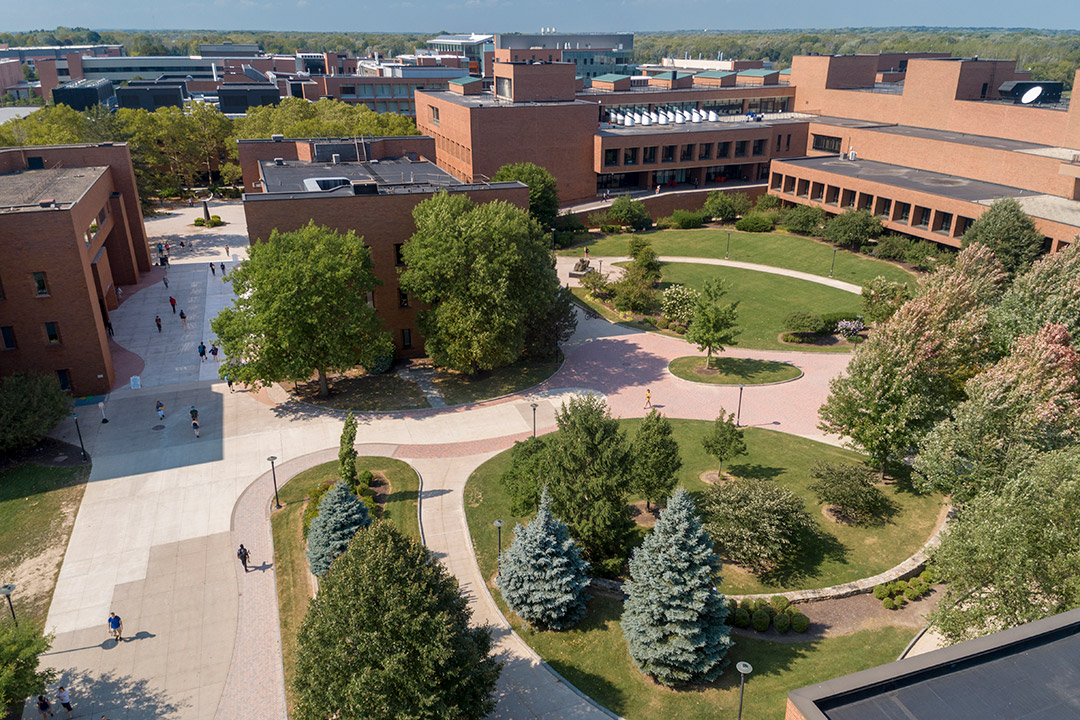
39, 282
386, 90
688, 153
7, 336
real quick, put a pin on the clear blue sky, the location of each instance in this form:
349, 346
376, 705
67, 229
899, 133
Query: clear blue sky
531, 15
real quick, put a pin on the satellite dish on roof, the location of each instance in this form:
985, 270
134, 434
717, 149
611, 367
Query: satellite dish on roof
1031, 95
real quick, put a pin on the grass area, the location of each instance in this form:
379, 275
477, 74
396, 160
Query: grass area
458, 389
290, 562
732, 371
793, 252
363, 393
37, 511
593, 657
836, 553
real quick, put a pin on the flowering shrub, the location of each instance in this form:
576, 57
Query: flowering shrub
678, 304
850, 328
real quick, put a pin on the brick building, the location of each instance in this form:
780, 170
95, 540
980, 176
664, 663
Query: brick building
367, 185
71, 231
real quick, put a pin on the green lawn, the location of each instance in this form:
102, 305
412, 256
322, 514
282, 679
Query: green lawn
838, 553
37, 511
732, 371
793, 252
593, 656
458, 389
289, 560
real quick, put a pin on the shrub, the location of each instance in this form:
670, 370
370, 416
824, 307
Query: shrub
850, 328
800, 623
742, 618
666, 223
687, 219
680, 329
200, 221
747, 605
848, 487
782, 623
780, 603
598, 218
766, 203
911, 594
380, 364
365, 479
569, 223
770, 610
610, 229
799, 338
755, 522
756, 222
803, 219
341, 515
662, 323
596, 284
312, 509
678, 303
760, 620
634, 290
893, 247
804, 322
630, 212
831, 320
30, 406
852, 229
888, 604
929, 575
881, 591
726, 206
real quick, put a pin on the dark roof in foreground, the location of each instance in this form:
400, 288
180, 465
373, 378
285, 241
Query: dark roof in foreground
26, 190
1030, 672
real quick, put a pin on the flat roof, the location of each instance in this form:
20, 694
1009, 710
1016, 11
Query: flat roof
1031, 671
757, 72
25, 190
389, 174
716, 74
673, 75
789, 90
727, 122
610, 77
488, 99
466, 80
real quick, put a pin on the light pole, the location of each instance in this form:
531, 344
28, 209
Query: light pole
273, 471
82, 448
833, 266
728, 250
601, 270
6, 591
534, 406
498, 527
744, 669
101, 407
738, 413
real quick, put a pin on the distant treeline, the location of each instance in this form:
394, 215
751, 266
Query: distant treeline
1050, 55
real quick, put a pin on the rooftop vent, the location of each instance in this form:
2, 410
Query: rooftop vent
47, 203
277, 138
335, 158
279, 161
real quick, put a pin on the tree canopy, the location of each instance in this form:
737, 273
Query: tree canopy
388, 637
724, 440
1009, 232
341, 515
299, 118
852, 229
20, 674
543, 190
30, 406
301, 309
714, 321
656, 458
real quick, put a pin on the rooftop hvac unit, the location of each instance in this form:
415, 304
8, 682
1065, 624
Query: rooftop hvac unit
335, 158
713, 117
646, 120
852, 155
277, 138
1026, 92
279, 161
663, 119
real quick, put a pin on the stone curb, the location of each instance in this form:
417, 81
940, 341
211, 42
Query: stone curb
800, 376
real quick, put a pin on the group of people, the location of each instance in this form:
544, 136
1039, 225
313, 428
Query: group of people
159, 407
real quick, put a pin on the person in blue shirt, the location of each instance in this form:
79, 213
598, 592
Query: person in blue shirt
116, 626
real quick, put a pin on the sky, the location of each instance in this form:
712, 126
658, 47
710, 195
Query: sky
491, 16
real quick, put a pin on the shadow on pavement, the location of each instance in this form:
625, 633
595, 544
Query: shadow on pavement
609, 365
117, 697
107, 644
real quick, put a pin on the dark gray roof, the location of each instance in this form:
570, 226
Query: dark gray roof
25, 190
391, 175
1030, 672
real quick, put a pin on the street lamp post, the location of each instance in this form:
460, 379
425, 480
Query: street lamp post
498, 527
738, 413
601, 270
728, 249
101, 407
82, 448
6, 591
534, 406
833, 266
273, 471
744, 669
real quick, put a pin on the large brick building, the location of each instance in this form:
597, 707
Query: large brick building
367, 185
71, 231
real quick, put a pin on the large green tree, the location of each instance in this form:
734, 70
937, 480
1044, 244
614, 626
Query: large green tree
388, 637
1047, 293
656, 458
1013, 556
724, 440
756, 523
673, 620
852, 229
30, 406
299, 118
483, 270
301, 309
347, 452
543, 190
714, 324
1009, 232
20, 674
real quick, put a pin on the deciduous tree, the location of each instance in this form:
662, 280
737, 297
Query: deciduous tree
881, 298
626, 211
543, 190
724, 440
847, 487
852, 229
1047, 293
714, 324
347, 452
726, 206
656, 458
1009, 232
755, 523
20, 673
30, 406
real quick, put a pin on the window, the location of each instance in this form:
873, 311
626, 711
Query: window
35, 162
380, 107
668, 154
922, 217
348, 91
40, 286
832, 195
403, 298
723, 149
371, 298
611, 157
52, 333
7, 337
399, 259
787, 143
803, 187
778, 139
629, 156
740, 148
365, 90
648, 155
504, 88
817, 191
827, 143
704, 151
64, 376
401, 91
943, 222
406, 338
884, 208
759, 147
903, 212
382, 91
687, 153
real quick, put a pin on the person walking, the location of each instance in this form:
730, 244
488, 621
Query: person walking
165, 279
116, 627
243, 554
648, 398
228, 381
108, 327
183, 318
160, 407
181, 244
202, 351
212, 270
222, 269
172, 301
227, 251
44, 706
167, 248
157, 321
586, 252
214, 351
193, 413
160, 248
64, 698
195, 427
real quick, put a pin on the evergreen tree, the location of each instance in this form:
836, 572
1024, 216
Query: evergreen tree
542, 575
656, 459
1009, 232
341, 515
673, 619
724, 440
388, 637
347, 453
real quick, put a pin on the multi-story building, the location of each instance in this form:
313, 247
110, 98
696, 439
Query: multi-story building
591, 54
367, 185
479, 50
72, 233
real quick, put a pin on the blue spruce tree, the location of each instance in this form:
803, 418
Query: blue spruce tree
673, 619
341, 515
542, 576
